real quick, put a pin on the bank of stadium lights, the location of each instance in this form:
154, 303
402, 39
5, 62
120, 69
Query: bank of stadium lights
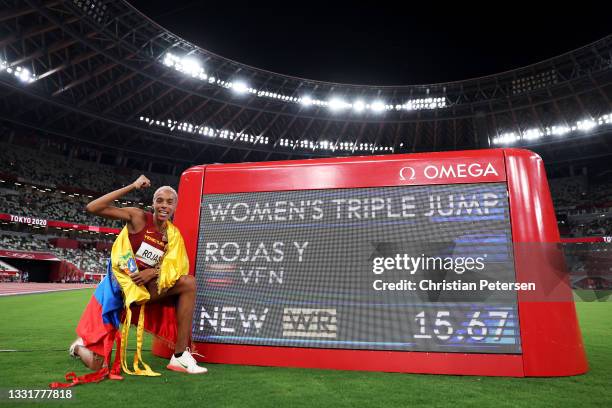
586, 125
23, 74
189, 66
240, 87
206, 131
337, 104
536, 133
378, 106
358, 106
249, 138
422, 103
330, 146
186, 65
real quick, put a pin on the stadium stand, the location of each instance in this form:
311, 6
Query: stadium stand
57, 171
86, 259
584, 207
52, 205
35, 187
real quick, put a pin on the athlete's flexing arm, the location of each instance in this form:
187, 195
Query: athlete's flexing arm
135, 217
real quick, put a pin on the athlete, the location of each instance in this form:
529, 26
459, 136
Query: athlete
148, 236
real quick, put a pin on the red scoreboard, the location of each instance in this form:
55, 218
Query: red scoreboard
441, 263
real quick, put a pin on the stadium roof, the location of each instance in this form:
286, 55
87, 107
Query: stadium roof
377, 44
102, 73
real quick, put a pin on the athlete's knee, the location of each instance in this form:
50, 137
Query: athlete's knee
188, 283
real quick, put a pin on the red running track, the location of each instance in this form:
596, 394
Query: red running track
10, 288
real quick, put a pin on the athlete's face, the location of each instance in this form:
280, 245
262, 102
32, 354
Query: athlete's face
164, 204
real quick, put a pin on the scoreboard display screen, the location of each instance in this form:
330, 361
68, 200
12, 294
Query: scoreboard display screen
365, 268
440, 263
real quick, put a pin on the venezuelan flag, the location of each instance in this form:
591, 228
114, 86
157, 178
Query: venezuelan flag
118, 299
102, 316
99, 329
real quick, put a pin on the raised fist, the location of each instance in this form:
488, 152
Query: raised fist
141, 182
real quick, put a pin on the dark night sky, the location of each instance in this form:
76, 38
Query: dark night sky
380, 43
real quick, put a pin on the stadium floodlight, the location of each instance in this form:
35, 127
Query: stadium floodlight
187, 65
24, 74
377, 106
306, 101
336, 104
585, 125
506, 138
191, 67
240, 87
532, 134
359, 106
558, 130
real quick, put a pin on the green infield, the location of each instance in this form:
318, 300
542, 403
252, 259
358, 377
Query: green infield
40, 328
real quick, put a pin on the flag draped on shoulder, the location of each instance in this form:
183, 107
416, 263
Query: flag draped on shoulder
175, 264
99, 326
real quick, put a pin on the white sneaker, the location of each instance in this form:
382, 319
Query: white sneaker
185, 364
73, 347
91, 360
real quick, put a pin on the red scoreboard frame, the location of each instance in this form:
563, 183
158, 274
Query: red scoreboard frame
550, 336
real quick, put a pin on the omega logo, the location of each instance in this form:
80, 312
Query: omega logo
461, 170
407, 172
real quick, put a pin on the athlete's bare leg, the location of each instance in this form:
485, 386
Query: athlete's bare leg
91, 360
185, 290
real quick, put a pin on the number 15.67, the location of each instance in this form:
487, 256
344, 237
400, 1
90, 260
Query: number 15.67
476, 328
